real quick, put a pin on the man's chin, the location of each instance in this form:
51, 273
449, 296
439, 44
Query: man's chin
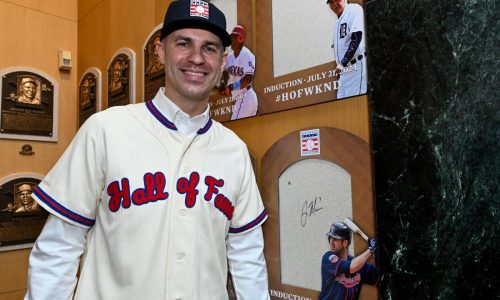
197, 92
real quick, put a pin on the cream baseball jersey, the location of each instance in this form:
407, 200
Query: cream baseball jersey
159, 205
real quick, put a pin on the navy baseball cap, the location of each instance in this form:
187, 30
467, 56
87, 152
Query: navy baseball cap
195, 14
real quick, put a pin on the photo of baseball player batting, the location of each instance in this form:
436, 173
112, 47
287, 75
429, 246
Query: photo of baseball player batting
342, 275
305, 195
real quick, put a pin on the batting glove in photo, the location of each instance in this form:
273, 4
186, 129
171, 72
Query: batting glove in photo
372, 245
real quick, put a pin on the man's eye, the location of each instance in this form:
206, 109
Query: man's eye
210, 49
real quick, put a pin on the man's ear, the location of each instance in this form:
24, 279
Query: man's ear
160, 51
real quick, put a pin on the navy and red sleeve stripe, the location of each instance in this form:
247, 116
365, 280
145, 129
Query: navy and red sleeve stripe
250, 225
61, 210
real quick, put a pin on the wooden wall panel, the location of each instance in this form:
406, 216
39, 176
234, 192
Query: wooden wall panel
261, 132
60, 8
160, 9
14, 270
15, 295
109, 26
22, 45
32, 32
84, 7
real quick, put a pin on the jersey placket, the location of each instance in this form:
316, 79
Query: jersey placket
181, 229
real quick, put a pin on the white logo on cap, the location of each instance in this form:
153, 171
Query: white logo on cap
199, 9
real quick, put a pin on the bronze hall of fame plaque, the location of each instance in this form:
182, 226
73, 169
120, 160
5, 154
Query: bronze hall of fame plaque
118, 81
154, 73
27, 104
87, 97
21, 218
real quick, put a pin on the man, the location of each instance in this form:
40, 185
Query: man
238, 75
165, 224
27, 91
341, 274
349, 48
116, 82
26, 202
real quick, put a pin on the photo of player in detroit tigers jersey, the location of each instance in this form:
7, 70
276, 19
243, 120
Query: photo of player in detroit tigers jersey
349, 47
238, 75
158, 199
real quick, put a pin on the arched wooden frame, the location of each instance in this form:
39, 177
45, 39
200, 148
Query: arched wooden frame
341, 148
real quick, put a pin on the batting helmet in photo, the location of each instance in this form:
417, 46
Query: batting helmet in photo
339, 231
241, 32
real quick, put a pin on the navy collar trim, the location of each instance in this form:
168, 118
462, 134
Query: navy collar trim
169, 124
157, 114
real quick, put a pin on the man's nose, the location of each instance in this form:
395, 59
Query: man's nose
196, 56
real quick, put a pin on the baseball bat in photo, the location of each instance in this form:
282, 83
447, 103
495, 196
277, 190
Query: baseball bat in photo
355, 228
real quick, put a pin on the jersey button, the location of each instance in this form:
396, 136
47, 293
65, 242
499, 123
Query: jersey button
183, 212
186, 170
180, 256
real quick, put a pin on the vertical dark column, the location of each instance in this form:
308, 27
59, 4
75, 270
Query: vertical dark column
435, 109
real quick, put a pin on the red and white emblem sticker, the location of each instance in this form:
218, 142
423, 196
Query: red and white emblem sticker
199, 9
334, 258
309, 142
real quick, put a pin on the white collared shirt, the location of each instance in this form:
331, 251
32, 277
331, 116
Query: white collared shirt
184, 123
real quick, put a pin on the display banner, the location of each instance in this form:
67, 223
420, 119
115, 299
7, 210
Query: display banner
234, 97
309, 52
314, 181
306, 52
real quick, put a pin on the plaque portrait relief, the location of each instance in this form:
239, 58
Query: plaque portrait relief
21, 218
29, 102
305, 191
89, 94
154, 73
24, 203
154, 65
121, 78
29, 90
85, 91
118, 75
